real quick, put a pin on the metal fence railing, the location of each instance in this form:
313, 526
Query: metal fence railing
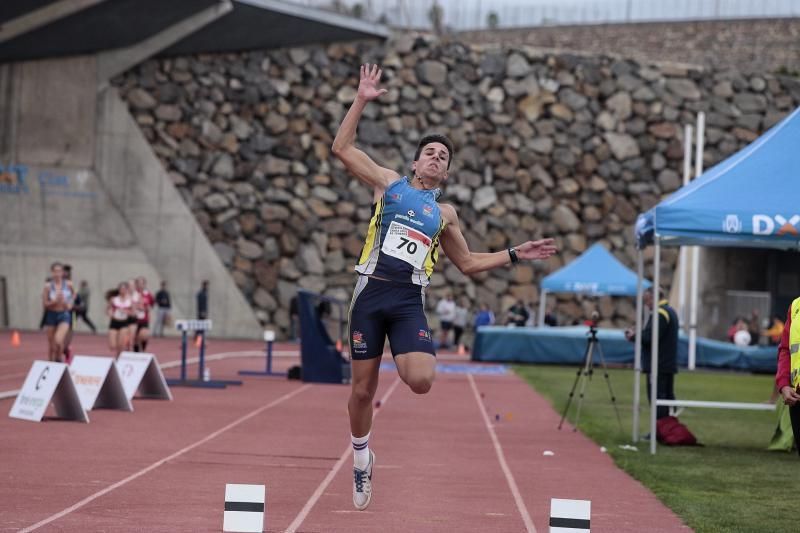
460, 15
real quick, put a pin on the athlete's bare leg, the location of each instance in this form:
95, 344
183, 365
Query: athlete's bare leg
417, 370
142, 337
58, 340
113, 341
51, 343
123, 341
364, 384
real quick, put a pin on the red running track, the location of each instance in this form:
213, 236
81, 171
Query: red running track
442, 464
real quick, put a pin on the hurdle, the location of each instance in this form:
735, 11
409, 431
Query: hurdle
201, 327
269, 338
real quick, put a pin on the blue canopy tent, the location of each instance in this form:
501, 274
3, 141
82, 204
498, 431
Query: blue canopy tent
595, 272
750, 199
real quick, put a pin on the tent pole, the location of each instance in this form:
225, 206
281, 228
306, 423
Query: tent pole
542, 307
654, 346
637, 350
698, 170
683, 258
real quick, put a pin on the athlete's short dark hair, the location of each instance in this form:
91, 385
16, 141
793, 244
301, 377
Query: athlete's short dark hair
436, 138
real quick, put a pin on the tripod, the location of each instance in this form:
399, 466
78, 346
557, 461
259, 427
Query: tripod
584, 374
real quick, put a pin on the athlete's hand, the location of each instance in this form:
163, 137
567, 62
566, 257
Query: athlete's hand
370, 80
533, 250
790, 396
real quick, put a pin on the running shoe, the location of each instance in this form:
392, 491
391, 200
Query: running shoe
362, 484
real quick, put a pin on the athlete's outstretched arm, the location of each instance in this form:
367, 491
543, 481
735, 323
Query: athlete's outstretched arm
455, 247
355, 160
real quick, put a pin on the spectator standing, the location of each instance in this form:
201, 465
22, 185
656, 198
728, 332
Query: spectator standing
531, 321
775, 331
517, 314
163, 309
754, 327
667, 349
484, 316
550, 318
202, 301
202, 304
787, 378
446, 311
82, 305
460, 320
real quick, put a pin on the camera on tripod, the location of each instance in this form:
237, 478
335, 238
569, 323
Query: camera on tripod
592, 323
584, 374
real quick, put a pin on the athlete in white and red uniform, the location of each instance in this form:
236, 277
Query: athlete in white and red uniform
119, 310
144, 301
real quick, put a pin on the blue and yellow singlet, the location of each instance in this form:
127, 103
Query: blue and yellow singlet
402, 242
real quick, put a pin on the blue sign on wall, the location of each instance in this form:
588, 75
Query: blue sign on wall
13, 180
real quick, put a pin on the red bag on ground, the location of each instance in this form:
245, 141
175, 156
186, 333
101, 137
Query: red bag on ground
671, 432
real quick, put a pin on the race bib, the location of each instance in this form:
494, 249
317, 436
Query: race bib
407, 244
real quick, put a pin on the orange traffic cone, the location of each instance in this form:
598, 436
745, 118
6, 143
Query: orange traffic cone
15, 340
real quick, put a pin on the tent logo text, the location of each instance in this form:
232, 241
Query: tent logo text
583, 286
778, 225
732, 224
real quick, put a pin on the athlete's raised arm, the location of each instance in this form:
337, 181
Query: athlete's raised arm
455, 247
355, 160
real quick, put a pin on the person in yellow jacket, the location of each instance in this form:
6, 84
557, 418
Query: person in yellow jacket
775, 331
787, 378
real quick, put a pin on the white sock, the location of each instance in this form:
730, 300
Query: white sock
361, 451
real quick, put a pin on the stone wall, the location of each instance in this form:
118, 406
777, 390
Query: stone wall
548, 144
761, 45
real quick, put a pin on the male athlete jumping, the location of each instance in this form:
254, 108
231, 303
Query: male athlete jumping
400, 251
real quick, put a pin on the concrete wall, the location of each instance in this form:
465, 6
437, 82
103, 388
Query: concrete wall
743, 269
755, 45
79, 184
162, 224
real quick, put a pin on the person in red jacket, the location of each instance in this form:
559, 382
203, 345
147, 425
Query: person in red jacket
787, 379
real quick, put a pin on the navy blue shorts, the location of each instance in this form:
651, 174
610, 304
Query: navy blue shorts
382, 308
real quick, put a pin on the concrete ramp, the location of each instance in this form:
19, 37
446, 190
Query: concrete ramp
94, 195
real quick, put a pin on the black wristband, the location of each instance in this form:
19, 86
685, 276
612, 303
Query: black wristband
513, 254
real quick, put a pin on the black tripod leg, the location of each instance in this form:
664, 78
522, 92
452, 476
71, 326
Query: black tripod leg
574, 386
608, 382
587, 374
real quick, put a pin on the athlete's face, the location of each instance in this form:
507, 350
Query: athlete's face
57, 272
432, 162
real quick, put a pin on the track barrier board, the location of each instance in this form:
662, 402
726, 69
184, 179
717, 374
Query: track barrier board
48, 382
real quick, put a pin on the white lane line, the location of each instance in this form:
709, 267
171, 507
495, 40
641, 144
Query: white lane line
526, 517
160, 462
348, 452
189, 361
9, 394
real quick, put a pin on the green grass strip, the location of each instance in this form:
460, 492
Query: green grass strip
731, 484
